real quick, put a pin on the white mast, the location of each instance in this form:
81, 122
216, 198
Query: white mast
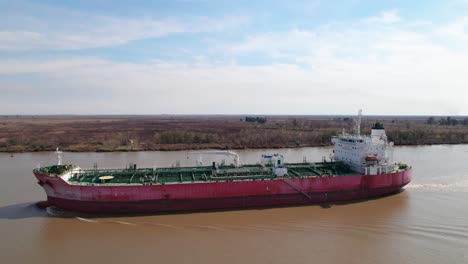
59, 156
358, 123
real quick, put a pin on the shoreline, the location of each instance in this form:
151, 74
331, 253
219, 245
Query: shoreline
207, 148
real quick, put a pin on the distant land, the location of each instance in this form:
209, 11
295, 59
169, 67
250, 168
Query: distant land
24, 133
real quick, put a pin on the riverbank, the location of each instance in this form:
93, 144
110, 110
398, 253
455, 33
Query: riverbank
147, 133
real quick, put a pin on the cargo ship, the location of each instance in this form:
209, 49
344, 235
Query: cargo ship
360, 167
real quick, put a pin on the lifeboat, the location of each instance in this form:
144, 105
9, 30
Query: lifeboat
372, 158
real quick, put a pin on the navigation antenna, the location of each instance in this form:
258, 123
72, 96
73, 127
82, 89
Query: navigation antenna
59, 156
358, 123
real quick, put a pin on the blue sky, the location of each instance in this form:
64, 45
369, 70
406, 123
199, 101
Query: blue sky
233, 57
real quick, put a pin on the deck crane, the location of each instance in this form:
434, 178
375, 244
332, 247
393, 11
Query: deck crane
218, 153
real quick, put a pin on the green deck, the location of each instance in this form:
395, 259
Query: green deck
197, 174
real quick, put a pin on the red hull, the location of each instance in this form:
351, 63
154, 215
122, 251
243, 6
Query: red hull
219, 195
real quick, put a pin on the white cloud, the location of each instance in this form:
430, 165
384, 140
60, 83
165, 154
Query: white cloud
455, 31
157, 87
99, 31
387, 16
409, 46
15, 66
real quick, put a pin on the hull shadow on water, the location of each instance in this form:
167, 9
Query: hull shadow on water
21, 211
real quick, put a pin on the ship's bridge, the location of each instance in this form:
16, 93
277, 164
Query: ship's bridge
361, 152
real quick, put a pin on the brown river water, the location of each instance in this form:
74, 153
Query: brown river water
426, 223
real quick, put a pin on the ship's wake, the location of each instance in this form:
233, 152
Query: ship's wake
57, 212
456, 186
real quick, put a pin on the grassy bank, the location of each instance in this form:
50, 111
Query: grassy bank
133, 133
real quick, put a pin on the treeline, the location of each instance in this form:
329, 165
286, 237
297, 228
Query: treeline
177, 133
257, 119
246, 138
448, 121
184, 137
427, 136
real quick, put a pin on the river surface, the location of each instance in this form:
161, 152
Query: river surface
426, 223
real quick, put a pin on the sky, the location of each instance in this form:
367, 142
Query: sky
234, 57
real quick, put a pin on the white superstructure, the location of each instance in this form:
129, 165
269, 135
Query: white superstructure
365, 154
276, 161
